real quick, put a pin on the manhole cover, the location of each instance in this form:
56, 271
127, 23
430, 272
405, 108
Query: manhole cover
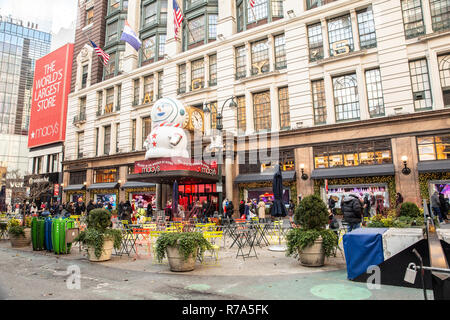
340, 292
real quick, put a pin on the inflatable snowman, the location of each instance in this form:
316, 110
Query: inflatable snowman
167, 138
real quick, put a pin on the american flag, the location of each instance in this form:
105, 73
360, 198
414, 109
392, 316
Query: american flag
102, 54
252, 3
177, 17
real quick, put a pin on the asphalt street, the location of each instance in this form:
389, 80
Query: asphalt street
33, 275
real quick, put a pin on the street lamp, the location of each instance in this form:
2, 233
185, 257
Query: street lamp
219, 146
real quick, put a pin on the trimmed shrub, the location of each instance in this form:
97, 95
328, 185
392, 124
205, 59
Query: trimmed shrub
409, 209
311, 213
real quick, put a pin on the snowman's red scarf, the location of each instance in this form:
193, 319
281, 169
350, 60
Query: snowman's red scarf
169, 124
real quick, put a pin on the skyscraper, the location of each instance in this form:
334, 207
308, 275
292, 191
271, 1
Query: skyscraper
21, 44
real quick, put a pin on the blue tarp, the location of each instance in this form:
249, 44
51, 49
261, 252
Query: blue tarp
363, 247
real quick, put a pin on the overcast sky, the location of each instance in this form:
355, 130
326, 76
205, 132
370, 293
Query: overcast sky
51, 15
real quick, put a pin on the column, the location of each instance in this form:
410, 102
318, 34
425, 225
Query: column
355, 30
248, 62
274, 109
101, 140
188, 76
139, 133
407, 185
226, 24
427, 16
326, 44
113, 138
249, 113
158, 196
329, 97
141, 90
123, 177
206, 70
271, 44
130, 57
435, 80
362, 94
228, 169
89, 181
173, 46
304, 156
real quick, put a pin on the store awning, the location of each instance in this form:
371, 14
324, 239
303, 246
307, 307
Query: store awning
74, 187
108, 185
260, 177
434, 166
358, 171
138, 184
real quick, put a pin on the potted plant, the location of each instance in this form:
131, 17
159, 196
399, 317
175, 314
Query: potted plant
99, 237
181, 249
19, 235
312, 242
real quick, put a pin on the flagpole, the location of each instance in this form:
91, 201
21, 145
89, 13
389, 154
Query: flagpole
253, 11
185, 22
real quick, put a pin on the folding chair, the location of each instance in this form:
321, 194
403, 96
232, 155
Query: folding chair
214, 237
142, 239
128, 242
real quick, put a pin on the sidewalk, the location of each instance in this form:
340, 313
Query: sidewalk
267, 263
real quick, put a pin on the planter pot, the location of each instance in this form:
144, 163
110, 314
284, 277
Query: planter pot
21, 241
177, 262
106, 253
313, 256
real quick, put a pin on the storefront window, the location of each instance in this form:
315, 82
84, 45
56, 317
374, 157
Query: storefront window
105, 175
353, 154
379, 191
77, 177
434, 147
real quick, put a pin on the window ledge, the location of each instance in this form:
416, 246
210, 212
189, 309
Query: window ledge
260, 76
106, 115
191, 93
342, 57
87, 27
433, 35
142, 106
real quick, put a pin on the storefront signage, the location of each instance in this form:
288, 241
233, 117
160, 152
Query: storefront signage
38, 180
172, 164
341, 45
56, 190
51, 86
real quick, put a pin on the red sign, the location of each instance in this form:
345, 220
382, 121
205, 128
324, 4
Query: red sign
56, 190
51, 88
176, 163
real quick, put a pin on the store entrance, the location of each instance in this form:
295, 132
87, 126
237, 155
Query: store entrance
189, 194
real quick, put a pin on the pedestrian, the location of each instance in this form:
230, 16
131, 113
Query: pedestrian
168, 210
372, 204
127, 211
332, 204
291, 208
242, 209
436, 207
351, 209
262, 210
398, 200
443, 206
230, 209
366, 205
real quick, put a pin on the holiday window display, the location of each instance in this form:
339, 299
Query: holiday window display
106, 198
381, 194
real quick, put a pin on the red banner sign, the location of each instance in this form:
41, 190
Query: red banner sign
51, 88
170, 164
56, 190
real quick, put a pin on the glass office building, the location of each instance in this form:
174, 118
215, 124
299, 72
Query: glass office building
21, 44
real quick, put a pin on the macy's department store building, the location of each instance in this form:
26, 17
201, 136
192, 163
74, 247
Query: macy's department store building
344, 111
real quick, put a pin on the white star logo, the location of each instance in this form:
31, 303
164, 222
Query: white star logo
32, 135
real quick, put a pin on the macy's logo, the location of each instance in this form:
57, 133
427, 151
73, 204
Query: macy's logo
49, 130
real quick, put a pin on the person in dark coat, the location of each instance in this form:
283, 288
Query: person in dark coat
149, 210
443, 207
366, 205
230, 209
127, 211
351, 209
241, 209
90, 206
120, 210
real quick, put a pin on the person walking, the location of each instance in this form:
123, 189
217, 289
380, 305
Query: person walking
351, 209
443, 207
332, 204
366, 205
242, 209
261, 210
90, 206
291, 208
436, 206
398, 200
230, 209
